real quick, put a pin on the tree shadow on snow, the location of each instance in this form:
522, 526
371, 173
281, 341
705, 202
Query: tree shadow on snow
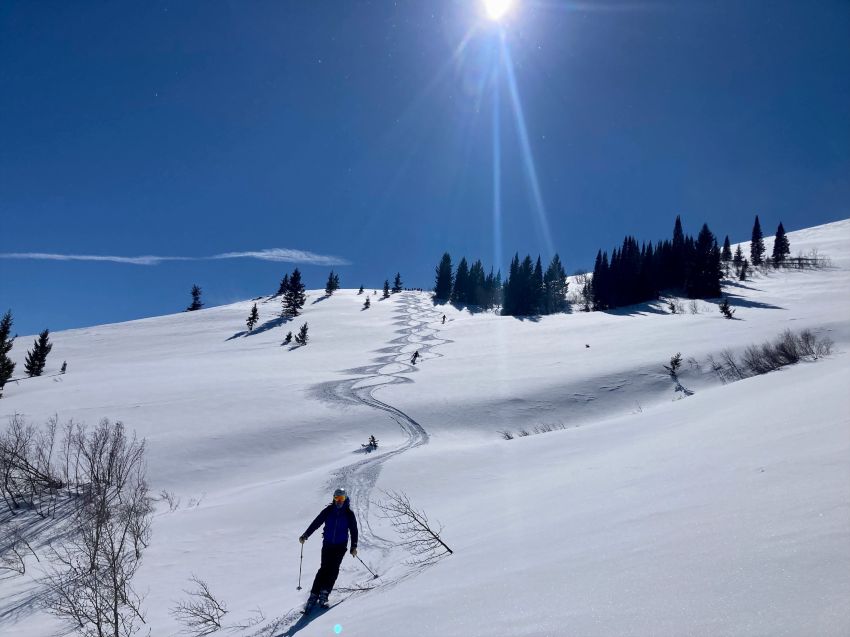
739, 301
738, 284
320, 299
640, 309
265, 327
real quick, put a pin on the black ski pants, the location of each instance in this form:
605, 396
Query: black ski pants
332, 555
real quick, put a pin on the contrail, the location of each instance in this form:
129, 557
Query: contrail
285, 255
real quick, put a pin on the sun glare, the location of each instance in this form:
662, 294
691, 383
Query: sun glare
496, 9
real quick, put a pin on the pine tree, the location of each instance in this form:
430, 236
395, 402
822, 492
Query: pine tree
64, 367
738, 259
704, 280
284, 285
301, 338
460, 292
744, 267
386, 294
726, 255
294, 297
537, 289
725, 309
196, 299
7, 367
443, 279
253, 317
555, 287
397, 283
475, 285
757, 244
37, 357
333, 283
367, 304
781, 247
360, 291
288, 339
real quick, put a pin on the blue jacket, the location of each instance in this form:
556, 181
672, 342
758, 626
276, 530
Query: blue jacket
338, 522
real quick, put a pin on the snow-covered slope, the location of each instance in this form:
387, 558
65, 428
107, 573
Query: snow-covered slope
727, 512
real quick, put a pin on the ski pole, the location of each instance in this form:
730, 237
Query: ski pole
299, 568
367, 568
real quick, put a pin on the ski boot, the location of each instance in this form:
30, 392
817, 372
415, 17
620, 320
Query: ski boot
323, 599
311, 603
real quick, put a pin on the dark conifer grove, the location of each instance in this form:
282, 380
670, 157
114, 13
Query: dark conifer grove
638, 273
443, 279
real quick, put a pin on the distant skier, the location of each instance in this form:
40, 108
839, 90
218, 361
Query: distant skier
339, 520
444, 319
415, 357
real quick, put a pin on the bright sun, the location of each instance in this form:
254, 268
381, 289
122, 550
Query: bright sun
496, 9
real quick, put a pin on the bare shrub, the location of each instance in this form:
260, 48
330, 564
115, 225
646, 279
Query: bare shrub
170, 499
418, 535
506, 435
12, 552
675, 306
522, 433
693, 306
202, 613
91, 580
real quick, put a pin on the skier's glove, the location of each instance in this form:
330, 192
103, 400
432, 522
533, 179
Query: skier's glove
353, 552
302, 539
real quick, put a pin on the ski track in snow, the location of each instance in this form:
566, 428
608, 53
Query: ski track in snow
415, 315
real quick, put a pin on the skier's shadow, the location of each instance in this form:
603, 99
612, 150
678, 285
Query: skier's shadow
304, 621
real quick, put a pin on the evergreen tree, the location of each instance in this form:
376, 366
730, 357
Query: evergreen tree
443, 280
537, 289
555, 287
757, 244
288, 339
64, 367
333, 283
509, 291
397, 287
37, 357
738, 259
704, 280
386, 289
367, 304
726, 309
475, 288
284, 285
253, 317
301, 338
781, 247
460, 293
360, 291
295, 296
196, 299
726, 255
7, 367
744, 267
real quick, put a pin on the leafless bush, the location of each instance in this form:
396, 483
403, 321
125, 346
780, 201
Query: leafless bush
507, 435
693, 306
522, 433
29, 476
91, 580
12, 553
202, 613
675, 306
418, 535
170, 499
788, 348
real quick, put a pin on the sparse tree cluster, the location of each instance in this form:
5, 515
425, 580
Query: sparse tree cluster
468, 285
37, 357
635, 274
301, 338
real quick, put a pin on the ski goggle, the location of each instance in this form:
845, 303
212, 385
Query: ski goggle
339, 498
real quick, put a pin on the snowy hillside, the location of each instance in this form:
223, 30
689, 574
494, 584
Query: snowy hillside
726, 512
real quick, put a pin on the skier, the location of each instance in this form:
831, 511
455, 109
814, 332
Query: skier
444, 319
338, 519
415, 356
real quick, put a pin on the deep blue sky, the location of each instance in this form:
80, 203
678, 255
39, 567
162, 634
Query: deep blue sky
356, 129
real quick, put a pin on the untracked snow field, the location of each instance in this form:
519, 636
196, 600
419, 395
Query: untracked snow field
720, 510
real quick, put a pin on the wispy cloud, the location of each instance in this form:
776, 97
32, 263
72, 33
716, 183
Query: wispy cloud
285, 255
